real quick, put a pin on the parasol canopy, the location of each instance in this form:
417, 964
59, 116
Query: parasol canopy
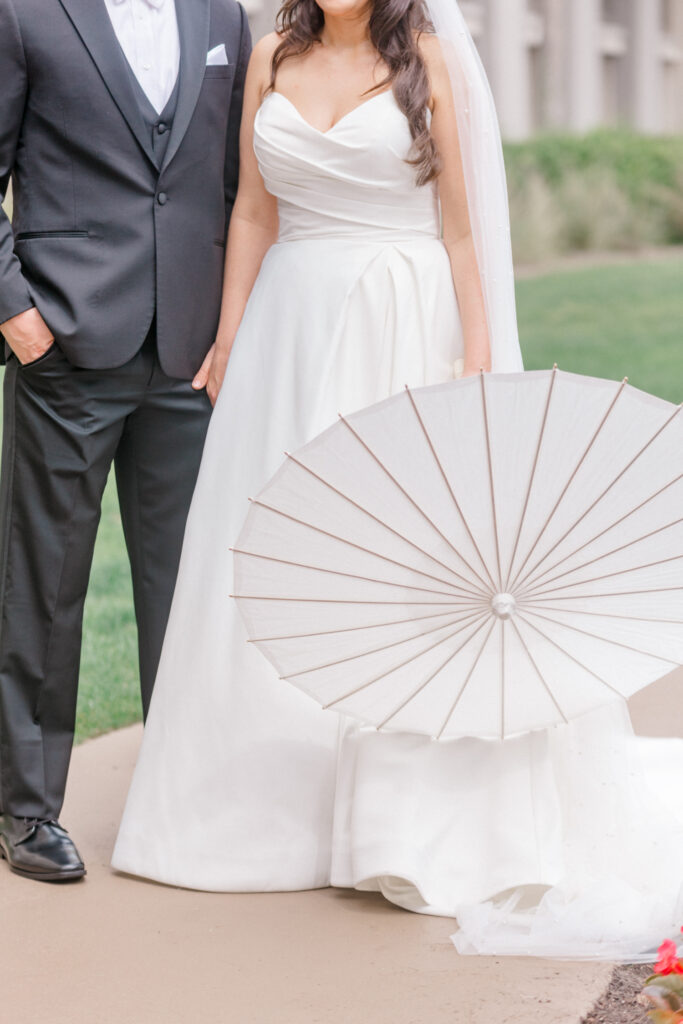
483, 557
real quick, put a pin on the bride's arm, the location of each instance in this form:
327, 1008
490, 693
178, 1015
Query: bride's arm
457, 231
253, 227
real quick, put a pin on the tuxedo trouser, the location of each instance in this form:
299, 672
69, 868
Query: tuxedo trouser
63, 429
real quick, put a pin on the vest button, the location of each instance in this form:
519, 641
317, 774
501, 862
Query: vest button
162, 199
162, 128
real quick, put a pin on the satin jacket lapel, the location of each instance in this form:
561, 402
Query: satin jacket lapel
193, 27
91, 21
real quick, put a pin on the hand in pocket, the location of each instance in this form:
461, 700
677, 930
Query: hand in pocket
28, 336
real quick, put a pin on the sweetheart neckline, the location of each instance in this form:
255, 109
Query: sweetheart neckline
344, 117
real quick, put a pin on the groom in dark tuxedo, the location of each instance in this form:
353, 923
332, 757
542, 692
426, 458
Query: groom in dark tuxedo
119, 125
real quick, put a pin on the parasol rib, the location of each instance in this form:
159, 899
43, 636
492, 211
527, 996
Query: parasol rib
602, 639
466, 619
430, 678
366, 551
613, 593
350, 629
381, 522
349, 600
345, 575
395, 668
536, 586
612, 615
466, 681
534, 467
579, 464
450, 490
571, 657
609, 487
604, 576
492, 489
409, 498
537, 670
502, 679
612, 526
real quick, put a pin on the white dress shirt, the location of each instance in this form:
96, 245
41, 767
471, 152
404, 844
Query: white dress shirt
148, 33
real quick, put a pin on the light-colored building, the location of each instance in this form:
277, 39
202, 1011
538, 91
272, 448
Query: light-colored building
572, 64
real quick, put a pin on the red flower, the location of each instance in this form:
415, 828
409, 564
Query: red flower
667, 959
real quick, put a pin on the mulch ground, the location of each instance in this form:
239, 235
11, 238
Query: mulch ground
618, 1004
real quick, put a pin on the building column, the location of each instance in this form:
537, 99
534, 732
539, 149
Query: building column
645, 72
261, 14
674, 118
555, 99
507, 62
584, 64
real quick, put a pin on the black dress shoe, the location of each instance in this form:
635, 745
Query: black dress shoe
39, 849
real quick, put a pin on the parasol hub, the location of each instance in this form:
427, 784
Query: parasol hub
503, 605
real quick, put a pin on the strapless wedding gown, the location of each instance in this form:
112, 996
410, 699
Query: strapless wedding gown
553, 843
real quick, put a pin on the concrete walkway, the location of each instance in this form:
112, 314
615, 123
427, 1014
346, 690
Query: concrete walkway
114, 950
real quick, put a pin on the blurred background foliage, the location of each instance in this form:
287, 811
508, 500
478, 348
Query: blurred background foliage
607, 191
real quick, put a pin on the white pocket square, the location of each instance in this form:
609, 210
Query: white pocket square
216, 56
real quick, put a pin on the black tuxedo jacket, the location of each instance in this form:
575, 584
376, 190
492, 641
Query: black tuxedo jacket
102, 238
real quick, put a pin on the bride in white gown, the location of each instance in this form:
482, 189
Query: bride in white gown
353, 264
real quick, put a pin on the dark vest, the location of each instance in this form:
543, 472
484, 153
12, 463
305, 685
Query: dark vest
158, 125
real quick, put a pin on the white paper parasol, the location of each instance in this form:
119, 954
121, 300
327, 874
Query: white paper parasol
478, 558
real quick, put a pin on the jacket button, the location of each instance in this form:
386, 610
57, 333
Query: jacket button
162, 128
162, 199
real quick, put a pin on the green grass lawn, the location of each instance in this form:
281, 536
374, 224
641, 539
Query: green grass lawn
618, 321
610, 322
109, 695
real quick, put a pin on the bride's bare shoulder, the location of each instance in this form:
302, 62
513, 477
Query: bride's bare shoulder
263, 51
260, 63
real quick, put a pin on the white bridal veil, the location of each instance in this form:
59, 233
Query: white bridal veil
482, 155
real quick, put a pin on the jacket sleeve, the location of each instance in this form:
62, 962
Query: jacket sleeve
14, 292
232, 154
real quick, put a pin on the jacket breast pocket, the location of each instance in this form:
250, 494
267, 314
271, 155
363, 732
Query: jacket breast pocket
219, 71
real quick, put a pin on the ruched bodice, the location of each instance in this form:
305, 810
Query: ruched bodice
351, 181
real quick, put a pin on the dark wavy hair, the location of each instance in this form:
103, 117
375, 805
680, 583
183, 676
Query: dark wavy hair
395, 29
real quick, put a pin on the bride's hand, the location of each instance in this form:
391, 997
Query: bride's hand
469, 368
212, 371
